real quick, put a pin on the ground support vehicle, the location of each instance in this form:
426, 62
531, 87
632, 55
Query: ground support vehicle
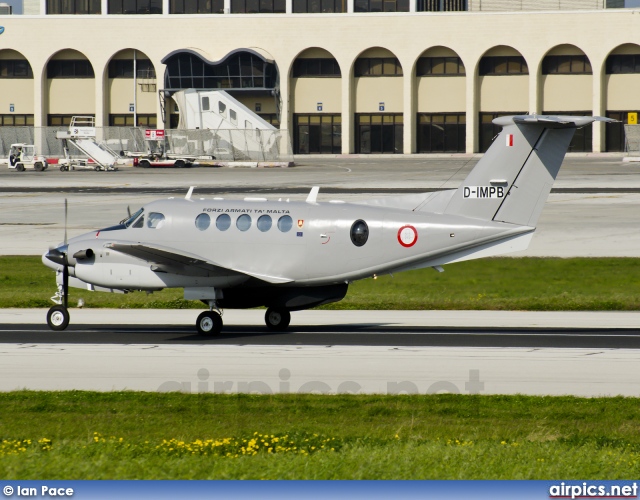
23, 156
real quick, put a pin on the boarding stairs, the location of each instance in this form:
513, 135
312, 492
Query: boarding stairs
82, 135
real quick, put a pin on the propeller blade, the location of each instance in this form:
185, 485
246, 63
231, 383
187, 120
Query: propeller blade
65, 220
129, 211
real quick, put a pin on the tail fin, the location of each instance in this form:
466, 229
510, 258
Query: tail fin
513, 179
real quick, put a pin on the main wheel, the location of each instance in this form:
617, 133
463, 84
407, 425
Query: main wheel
209, 323
58, 318
277, 319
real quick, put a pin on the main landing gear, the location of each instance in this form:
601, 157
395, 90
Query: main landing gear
277, 319
210, 322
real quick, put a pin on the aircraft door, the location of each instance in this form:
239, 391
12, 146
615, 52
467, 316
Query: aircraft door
325, 242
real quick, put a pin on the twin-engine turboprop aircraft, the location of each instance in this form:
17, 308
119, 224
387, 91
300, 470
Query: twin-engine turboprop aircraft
290, 256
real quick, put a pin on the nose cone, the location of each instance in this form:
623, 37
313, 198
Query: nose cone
57, 256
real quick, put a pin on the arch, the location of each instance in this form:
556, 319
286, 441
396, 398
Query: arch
66, 54
565, 59
440, 97
71, 86
118, 78
506, 58
566, 87
378, 93
439, 52
187, 68
245, 73
317, 54
503, 89
375, 52
621, 79
316, 102
17, 98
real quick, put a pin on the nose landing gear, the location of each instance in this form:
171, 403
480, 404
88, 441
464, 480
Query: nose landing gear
58, 316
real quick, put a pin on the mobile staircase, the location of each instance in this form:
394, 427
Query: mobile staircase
238, 132
82, 135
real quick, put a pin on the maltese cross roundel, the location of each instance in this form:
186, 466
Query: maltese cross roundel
407, 236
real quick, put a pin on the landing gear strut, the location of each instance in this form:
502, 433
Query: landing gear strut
277, 319
210, 322
58, 316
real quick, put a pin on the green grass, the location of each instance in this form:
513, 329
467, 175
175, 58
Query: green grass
126, 435
538, 284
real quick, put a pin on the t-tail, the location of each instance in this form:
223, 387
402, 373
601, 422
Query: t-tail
513, 179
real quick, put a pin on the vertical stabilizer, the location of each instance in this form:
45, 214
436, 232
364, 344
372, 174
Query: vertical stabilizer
513, 179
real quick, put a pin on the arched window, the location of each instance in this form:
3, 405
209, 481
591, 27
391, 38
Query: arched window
241, 70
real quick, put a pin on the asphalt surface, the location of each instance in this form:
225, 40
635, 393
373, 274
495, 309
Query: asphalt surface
351, 335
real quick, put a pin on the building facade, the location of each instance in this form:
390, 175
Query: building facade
342, 76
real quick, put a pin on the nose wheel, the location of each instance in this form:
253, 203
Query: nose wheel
277, 319
58, 318
209, 323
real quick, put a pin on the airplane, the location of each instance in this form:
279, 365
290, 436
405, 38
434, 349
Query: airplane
289, 256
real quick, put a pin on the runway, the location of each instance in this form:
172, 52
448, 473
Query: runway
589, 213
362, 335
385, 352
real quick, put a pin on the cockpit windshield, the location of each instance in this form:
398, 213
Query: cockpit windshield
130, 220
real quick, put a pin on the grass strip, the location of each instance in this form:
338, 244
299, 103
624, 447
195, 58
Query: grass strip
127, 435
534, 284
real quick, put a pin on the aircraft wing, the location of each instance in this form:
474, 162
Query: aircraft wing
169, 261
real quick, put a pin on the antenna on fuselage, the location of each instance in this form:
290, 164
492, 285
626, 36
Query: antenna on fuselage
313, 194
189, 193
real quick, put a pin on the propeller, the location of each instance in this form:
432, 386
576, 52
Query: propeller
66, 212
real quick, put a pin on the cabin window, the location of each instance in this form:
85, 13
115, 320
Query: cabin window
203, 221
243, 222
359, 233
264, 223
139, 223
233, 116
155, 220
285, 223
205, 104
223, 222
222, 108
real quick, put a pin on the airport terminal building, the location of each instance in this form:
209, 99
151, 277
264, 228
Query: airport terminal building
342, 76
